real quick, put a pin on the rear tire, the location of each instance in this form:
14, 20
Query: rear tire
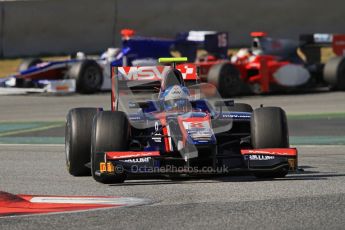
88, 75
110, 132
78, 139
269, 129
226, 78
334, 73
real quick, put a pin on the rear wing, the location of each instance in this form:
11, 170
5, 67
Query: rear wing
153, 73
144, 47
146, 78
311, 45
284, 48
187, 43
215, 43
318, 39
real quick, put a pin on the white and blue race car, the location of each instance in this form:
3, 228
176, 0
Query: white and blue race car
84, 74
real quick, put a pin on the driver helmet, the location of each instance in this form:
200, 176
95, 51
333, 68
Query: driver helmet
176, 98
241, 56
171, 78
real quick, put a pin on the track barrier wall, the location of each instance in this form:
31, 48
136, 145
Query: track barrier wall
36, 27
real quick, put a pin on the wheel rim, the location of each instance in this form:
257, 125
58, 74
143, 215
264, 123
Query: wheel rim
92, 77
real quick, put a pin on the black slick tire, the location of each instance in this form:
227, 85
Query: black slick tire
334, 73
78, 139
226, 77
269, 129
88, 75
110, 132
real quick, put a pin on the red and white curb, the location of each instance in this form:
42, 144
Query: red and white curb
14, 205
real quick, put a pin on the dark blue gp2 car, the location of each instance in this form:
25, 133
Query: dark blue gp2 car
180, 130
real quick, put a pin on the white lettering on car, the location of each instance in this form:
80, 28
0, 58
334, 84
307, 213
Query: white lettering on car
142, 72
138, 160
260, 157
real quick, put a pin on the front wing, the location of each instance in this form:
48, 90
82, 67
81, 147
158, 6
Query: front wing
252, 160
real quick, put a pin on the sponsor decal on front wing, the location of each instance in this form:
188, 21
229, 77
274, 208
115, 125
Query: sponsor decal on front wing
260, 157
137, 160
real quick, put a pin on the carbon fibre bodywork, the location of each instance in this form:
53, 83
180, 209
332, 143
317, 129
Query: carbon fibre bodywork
203, 136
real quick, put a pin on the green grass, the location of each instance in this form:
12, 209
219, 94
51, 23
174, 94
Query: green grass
315, 116
12, 128
10, 66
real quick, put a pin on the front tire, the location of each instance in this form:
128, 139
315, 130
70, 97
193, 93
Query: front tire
77, 140
269, 129
110, 132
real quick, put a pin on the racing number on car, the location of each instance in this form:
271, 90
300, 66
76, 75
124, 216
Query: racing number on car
222, 40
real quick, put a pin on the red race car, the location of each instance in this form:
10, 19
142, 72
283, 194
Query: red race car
270, 64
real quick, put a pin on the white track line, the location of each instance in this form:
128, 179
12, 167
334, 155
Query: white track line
47, 145
122, 201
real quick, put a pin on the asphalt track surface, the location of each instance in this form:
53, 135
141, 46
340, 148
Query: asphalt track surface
54, 108
311, 199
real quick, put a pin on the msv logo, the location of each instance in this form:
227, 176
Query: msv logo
142, 72
130, 73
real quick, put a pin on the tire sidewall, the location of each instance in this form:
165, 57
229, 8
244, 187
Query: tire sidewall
269, 128
226, 77
80, 70
77, 140
110, 132
334, 73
